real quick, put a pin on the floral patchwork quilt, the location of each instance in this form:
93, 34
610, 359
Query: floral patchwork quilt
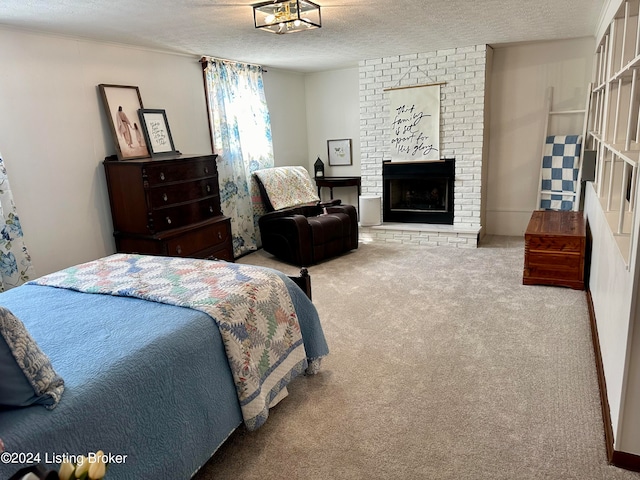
250, 305
287, 186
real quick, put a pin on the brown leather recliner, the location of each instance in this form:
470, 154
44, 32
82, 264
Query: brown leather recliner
305, 233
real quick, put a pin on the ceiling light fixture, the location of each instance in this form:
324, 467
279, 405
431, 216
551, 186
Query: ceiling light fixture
286, 16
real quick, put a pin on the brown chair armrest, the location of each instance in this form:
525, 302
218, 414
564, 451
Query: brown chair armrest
287, 236
353, 216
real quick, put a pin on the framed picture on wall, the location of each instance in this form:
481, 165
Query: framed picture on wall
156, 131
121, 104
339, 151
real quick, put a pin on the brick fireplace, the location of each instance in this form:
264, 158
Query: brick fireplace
463, 135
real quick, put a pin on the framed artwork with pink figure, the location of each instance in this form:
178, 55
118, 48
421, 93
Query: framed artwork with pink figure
121, 104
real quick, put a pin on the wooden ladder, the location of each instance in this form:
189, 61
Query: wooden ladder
550, 113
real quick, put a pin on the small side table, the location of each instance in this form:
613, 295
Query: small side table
333, 182
554, 249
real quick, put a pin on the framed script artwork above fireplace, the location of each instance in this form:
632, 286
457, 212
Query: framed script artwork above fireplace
414, 122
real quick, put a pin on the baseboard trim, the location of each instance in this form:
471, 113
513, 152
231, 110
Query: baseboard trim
602, 384
625, 460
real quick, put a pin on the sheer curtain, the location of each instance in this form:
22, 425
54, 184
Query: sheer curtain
15, 262
241, 132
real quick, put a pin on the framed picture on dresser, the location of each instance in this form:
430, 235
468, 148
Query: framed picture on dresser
156, 131
121, 105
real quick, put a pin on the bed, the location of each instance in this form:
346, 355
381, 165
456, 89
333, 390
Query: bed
151, 380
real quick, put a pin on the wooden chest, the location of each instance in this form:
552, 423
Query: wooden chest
554, 249
168, 206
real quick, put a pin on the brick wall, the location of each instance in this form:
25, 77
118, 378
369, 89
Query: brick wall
462, 120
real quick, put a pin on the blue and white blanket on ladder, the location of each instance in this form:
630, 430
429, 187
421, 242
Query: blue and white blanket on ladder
560, 170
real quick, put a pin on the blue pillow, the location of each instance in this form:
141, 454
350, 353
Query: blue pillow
26, 374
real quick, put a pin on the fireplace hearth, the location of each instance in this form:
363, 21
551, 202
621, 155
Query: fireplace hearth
418, 192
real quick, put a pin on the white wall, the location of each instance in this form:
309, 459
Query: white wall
333, 112
54, 134
628, 438
610, 285
615, 291
519, 79
285, 93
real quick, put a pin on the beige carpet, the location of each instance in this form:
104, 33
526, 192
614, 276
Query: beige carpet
442, 366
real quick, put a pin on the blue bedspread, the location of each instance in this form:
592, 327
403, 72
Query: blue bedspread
147, 380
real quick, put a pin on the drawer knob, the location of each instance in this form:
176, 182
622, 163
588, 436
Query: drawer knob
210, 209
208, 188
178, 249
206, 170
220, 235
161, 175
164, 197
168, 220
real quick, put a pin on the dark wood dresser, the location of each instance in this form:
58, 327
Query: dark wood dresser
168, 206
554, 249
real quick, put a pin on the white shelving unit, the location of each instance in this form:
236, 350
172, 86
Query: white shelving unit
614, 121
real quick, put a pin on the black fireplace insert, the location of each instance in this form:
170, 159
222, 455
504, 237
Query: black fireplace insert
419, 192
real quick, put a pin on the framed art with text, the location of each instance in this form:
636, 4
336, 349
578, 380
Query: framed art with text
121, 104
156, 131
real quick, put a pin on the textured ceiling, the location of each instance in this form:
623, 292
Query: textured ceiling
352, 30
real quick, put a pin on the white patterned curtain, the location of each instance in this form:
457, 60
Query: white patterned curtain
241, 132
15, 262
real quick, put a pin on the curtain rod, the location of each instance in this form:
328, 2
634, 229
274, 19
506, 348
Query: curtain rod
204, 59
415, 86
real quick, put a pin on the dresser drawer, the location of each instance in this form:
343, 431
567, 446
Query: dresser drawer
180, 171
185, 214
551, 261
547, 274
554, 244
224, 252
209, 238
165, 195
